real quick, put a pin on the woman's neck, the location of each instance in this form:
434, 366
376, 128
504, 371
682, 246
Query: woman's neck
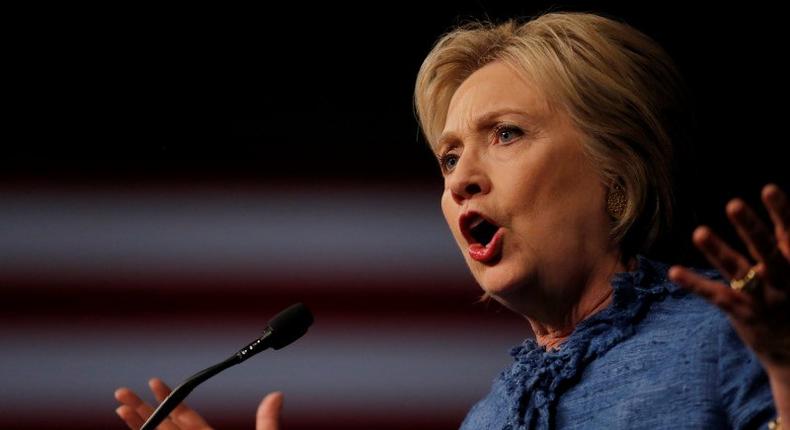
551, 336
595, 297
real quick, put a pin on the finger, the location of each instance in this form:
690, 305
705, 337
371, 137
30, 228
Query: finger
268, 416
130, 416
779, 211
759, 240
761, 243
736, 304
729, 262
141, 408
131, 399
160, 389
182, 414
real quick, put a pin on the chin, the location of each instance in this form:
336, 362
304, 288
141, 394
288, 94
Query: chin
500, 282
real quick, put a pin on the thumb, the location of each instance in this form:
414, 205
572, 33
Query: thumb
268, 416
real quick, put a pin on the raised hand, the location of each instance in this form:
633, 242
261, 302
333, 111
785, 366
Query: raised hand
759, 313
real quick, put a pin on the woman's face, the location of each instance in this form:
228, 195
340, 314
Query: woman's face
510, 160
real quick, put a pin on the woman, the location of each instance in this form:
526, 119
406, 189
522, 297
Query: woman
555, 138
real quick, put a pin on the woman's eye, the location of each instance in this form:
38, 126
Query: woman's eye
507, 133
448, 162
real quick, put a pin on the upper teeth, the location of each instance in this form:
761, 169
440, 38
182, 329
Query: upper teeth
476, 222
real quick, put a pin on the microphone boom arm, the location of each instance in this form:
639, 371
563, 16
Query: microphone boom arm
284, 328
182, 391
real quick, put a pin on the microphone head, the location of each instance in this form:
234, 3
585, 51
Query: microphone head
289, 325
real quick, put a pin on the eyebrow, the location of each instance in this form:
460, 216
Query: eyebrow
481, 122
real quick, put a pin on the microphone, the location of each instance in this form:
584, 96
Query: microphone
287, 326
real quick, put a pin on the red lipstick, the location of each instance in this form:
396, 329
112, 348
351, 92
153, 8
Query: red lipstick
488, 252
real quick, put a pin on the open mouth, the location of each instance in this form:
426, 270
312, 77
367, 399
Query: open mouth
477, 229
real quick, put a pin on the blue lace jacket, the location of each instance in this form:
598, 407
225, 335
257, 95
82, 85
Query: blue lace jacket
656, 358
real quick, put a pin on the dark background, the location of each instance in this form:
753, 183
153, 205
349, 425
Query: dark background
324, 93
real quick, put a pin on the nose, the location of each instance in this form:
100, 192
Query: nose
469, 178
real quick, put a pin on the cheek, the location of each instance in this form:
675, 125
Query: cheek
570, 216
568, 184
555, 198
584, 193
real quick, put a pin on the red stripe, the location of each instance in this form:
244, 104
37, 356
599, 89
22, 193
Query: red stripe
95, 303
103, 420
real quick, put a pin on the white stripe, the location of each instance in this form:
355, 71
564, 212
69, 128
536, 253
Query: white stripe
344, 368
302, 234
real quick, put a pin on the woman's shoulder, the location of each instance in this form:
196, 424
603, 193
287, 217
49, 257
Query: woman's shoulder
693, 337
686, 316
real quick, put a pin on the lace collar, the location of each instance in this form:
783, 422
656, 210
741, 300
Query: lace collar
538, 377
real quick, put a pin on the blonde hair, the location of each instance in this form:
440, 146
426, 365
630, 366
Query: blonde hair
618, 86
